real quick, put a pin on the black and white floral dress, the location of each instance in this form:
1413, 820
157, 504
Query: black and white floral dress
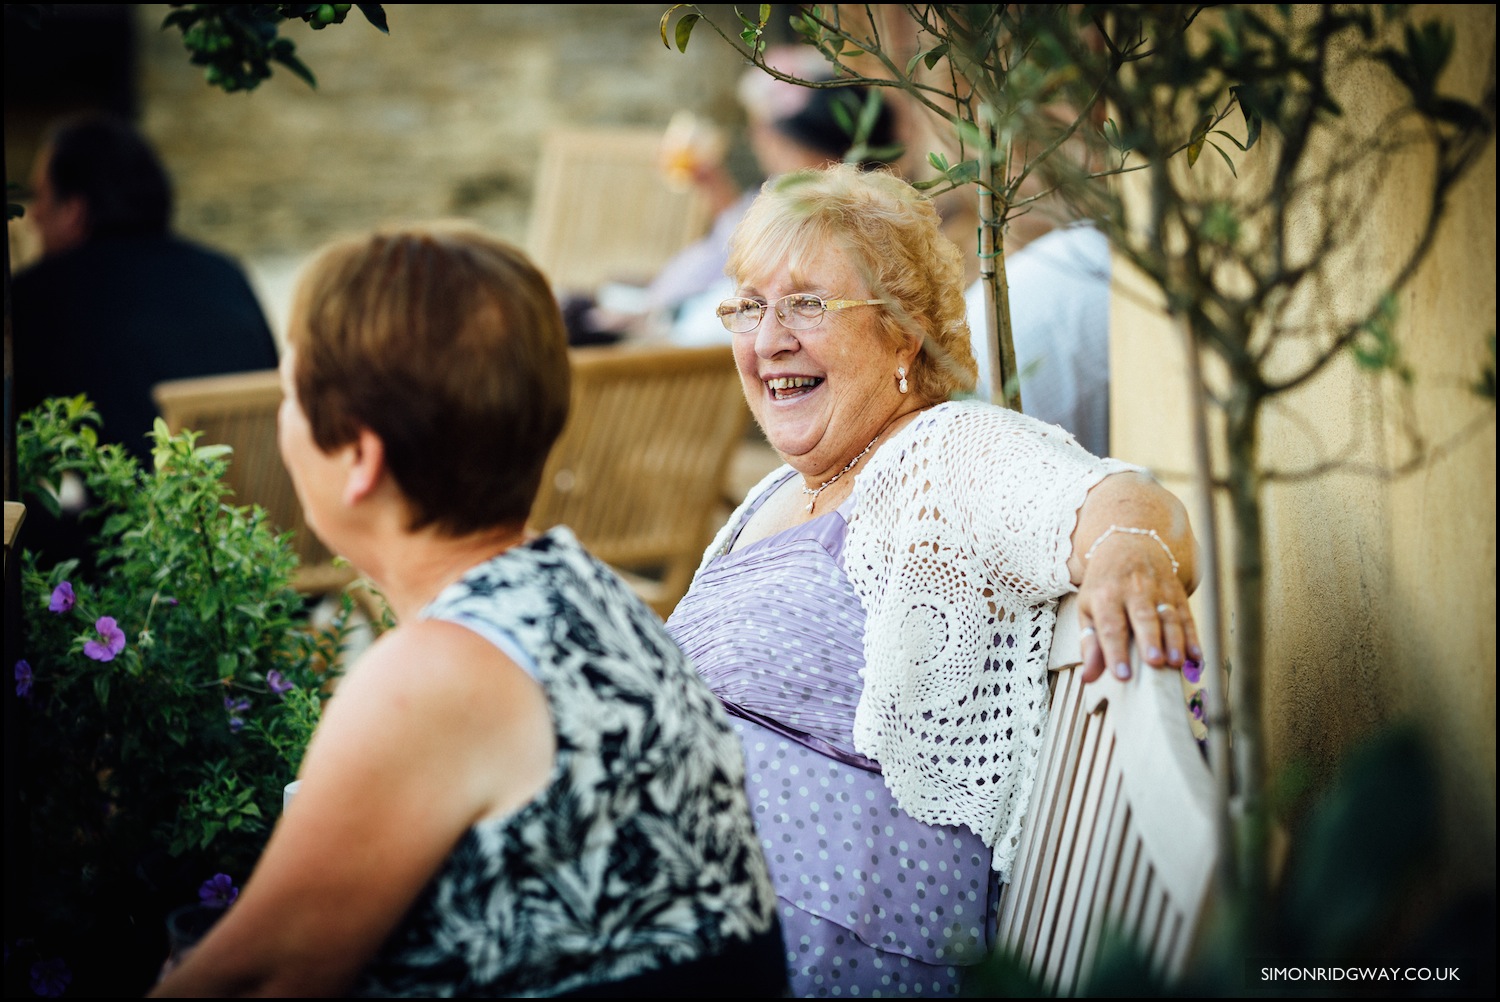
637, 870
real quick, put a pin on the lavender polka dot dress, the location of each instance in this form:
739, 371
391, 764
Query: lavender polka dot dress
872, 902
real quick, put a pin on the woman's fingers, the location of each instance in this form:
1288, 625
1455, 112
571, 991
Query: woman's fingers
1173, 637
1106, 640
1130, 593
1114, 614
1093, 659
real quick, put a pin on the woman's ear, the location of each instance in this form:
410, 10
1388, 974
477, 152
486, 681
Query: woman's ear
367, 469
911, 347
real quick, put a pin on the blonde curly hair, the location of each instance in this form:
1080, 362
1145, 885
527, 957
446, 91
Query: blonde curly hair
891, 234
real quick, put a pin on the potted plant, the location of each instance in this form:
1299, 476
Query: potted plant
169, 684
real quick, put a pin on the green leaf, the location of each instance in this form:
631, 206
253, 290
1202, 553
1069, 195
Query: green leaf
1251, 105
964, 173
1200, 135
1112, 136
1375, 347
1227, 161
296, 65
684, 31
375, 14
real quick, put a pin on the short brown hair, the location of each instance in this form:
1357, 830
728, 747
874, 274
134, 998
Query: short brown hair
892, 235
448, 344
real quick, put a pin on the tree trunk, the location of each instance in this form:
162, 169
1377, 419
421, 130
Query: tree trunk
1005, 381
1247, 668
1210, 620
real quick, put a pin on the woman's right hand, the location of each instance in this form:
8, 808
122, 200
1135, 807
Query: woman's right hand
1134, 561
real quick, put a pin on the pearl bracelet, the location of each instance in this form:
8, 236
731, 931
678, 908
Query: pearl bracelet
1135, 532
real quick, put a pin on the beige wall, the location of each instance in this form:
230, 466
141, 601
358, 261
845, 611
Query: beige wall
1380, 590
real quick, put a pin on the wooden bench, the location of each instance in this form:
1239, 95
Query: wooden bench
1120, 833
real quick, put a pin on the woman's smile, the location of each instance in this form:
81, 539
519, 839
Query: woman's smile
791, 387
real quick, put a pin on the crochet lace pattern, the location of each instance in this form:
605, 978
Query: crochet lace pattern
957, 548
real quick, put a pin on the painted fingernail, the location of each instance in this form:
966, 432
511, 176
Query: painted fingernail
1152, 653
1195, 652
1174, 656
1122, 670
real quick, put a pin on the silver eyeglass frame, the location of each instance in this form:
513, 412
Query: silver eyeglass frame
784, 312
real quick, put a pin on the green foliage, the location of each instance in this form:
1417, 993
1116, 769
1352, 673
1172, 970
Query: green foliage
1375, 346
177, 739
238, 42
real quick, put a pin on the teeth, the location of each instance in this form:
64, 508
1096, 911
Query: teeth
791, 382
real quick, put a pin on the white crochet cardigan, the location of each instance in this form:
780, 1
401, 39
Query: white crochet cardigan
957, 548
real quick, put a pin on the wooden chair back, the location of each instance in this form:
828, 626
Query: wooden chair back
15, 514
638, 472
239, 410
1120, 830
602, 210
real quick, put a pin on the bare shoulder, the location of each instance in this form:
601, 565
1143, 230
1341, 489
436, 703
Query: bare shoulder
435, 698
433, 730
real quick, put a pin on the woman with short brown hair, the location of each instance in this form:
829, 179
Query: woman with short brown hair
522, 788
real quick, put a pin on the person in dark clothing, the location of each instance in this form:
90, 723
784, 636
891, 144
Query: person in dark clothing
117, 303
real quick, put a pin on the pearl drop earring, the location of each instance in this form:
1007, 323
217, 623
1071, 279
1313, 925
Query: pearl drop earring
901, 374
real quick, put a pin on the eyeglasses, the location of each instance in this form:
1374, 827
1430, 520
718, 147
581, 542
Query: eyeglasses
800, 311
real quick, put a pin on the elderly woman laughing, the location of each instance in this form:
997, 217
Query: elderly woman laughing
877, 614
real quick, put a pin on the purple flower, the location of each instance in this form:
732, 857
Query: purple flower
1195, 706
23, 679
1192, 671
62, 598
235, 708
218, 891
50, 978
111, 640
278, 683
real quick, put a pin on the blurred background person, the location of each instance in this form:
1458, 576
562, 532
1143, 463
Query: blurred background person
117, 303
1058, 278
788, 127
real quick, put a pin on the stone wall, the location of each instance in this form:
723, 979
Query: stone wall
443, 117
